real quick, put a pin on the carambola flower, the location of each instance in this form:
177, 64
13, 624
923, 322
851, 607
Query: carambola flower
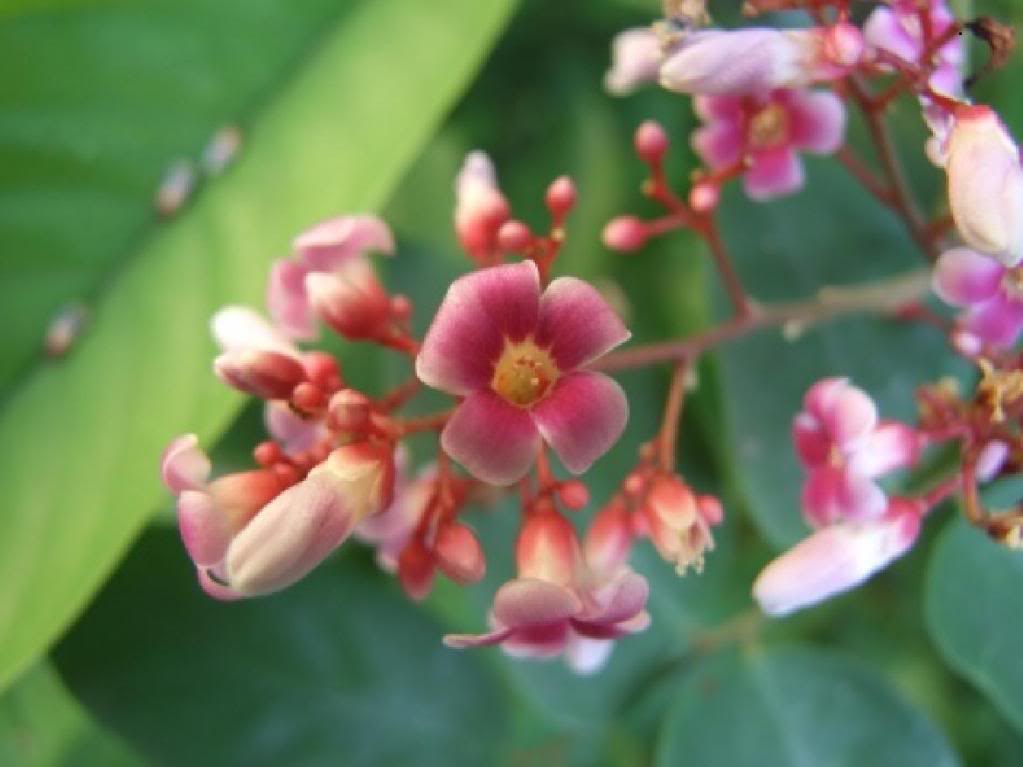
766, 130
990, 293
518, 359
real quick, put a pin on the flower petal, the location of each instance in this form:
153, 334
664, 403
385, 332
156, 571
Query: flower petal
620, 600
774, 173
205, 529
294, 433
587, 656
582, 418
724, 107
184, 466
718, 144
328, 244
467, 335
884, 29
997, 321
577, 323
532, 602
890, 446
833, 494
287, 300
239, 328
817, 120
495, 441
963, 277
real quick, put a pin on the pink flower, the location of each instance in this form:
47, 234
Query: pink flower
558, 605
734, 62
985, 184
896, 29
480, 207
678, 522
636, 56
835, 559
845, 449
515, 356
767, 130
991, 294
330, 277
251, 533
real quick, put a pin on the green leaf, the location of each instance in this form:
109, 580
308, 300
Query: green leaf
974, 608
41, 725
795, 708
831, 233
339, 669
80, 441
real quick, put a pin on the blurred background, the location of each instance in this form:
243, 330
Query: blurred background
110, 654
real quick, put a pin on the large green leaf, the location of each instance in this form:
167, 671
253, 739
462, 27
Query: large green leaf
79, 441
974, 607
41, 725
339, 670
795, 708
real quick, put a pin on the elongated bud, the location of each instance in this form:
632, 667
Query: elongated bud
547, 548
625, 234
301, 526
835, 559
268, 375
330, 243
458, 553
985, 184
480, 207
609, 538
350, 300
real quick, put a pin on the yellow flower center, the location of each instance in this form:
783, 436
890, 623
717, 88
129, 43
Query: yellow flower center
768, 127
524, 373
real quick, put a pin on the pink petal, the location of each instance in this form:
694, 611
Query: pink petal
582, 418
287, 300
184, 466
883, 29
294, 433
719, 108
620, 600
997, 321
635, 57
719, 144
963, 277
577, 323
467, 335
205, 529
846, 412
495, 441
532, 602
289, 537
890, 446
833, 494
813, 443
327, 245
817, 120
774, 173
832, 560
543, 641
238, 328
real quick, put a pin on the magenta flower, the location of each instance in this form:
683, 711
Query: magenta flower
836, 558
896, 29
845, 449
767, 130
558, 604
329, 276
517, 358
991, 294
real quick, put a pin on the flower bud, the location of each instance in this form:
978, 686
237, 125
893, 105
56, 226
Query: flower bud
835, 559
514, 236
416, 570
268, 375
675, 525
573, 495
350, 300
348, 411
480, 207
985, 184
625, 234
330, 243
636, 55
651, 142
305, 523
458, 553
547, 548
561, 197
704, 197
609, 538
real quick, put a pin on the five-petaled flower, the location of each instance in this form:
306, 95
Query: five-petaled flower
517, 357
560, 604
990, 293
845, 448
764, 131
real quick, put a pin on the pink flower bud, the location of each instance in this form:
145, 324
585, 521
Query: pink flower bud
514, 236
350, 300
678, 531
458, 553
480, 207
416, 570
348, 411
573, 495
625, 234
704, 197
636, 55
985, 184
330, 243
651, 142
238, 328
305, 523
561, 197
268, 375
547, 548
835, 559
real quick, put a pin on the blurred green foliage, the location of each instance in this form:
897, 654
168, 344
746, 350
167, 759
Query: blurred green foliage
336, 99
